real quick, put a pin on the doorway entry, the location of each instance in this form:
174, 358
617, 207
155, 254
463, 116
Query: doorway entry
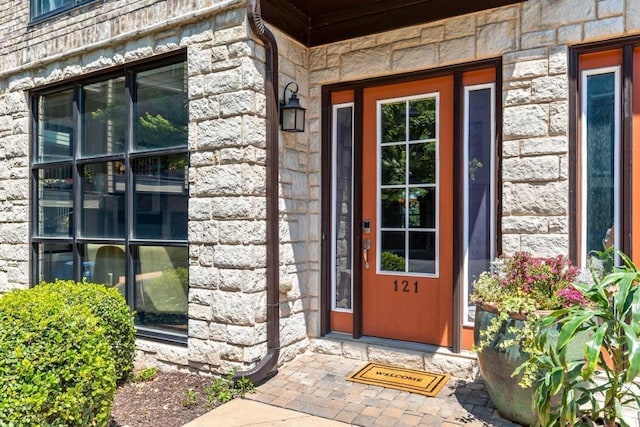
411, 211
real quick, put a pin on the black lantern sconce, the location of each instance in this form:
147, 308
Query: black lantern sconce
291, 112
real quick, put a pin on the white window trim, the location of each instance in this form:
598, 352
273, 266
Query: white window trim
465, 261
379, 229
583, 157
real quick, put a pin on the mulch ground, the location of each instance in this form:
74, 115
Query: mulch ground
160, 401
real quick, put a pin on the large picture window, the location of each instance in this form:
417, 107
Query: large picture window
110, 183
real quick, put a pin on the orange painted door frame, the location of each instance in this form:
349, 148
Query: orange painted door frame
414, 304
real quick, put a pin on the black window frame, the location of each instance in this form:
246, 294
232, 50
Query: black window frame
77, 161
57, 11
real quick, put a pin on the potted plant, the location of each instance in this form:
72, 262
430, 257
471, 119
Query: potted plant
509, 299
597, 386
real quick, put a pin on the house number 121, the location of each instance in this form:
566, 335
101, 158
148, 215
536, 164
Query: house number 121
405, 286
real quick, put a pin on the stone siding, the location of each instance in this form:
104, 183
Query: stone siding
532, 39
227, 131
227, 206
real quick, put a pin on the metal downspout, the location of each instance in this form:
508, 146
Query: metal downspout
267, 366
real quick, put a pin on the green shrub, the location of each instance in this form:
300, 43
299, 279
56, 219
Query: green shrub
110, 307
391, 262
56, 365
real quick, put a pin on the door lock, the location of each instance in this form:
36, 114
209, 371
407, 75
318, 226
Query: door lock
366, 226
365, 252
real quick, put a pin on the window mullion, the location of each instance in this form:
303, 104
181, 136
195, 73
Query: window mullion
130, 96
77, 197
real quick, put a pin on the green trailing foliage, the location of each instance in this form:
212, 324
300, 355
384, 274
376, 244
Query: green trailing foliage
145, 374
56, 363
600, 384
224, 389
113, 314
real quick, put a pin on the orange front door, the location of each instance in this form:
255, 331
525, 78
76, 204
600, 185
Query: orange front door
407, 200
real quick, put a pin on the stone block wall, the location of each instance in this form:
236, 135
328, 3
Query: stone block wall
299, 213
532, 39
227, 128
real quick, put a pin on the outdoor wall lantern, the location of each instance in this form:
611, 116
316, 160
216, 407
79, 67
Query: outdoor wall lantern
291, 112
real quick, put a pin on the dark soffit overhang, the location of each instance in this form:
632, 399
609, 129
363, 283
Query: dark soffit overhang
318, 22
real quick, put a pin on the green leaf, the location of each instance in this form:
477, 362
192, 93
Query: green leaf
633, 348
592, 351
570, 327
624, 285
557, 380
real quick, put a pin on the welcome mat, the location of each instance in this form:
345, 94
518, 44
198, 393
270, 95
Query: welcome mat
411, 380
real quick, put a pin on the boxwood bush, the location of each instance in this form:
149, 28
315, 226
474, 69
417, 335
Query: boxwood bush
56, 364
113, 313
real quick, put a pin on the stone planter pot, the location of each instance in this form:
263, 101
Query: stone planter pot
496, 366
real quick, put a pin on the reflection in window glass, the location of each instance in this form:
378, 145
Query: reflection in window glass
343, 207
45, 7
393, 164
55, 213
55, 261
103, 199
55, 127
161, 197
104, 264
601, 145
422, 207
392, 208
422, 252
422, 163
422, 119
103, 119
392, 248
161, 108
408, 186
393, 122
118, 197
479, 154
161, 287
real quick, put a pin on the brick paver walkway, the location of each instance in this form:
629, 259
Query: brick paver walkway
315, 384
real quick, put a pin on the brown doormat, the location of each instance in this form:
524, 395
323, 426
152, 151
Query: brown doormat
411, 380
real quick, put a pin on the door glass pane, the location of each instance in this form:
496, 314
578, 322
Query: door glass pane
343, 207
393, 208
392, 251
161, 108
162, 287
422, 207
161, 197
393, 163
103, 119
600, 169
103, 199
422, 119
422, 252
422, 163
104, 264
479, 159
408, 185
55, 127
55, 261
55, 201
394, 122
